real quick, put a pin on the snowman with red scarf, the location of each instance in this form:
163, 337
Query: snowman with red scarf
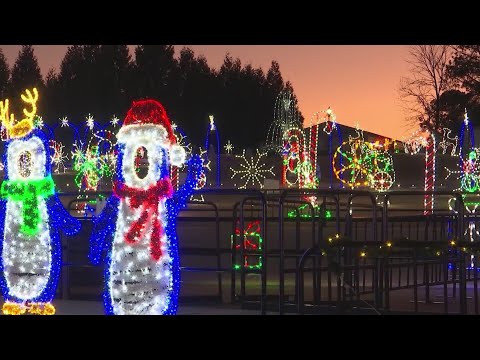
136, 232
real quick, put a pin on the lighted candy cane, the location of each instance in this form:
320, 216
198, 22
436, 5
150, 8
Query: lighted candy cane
413, 144
313, 143
430, 150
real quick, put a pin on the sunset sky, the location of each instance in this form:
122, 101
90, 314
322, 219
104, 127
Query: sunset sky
359, 82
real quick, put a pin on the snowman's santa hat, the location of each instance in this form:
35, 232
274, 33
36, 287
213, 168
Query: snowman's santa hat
147, 119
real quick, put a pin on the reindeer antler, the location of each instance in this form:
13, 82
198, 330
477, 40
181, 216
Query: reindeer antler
24, 126
29, 99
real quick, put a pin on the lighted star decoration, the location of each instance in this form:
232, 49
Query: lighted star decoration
90, 122
252, 170
114, 121
64, 122
38, 122
228, 147
212, 123
174, 126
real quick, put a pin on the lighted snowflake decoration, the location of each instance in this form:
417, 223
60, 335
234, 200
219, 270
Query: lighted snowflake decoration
64, 122
229, 147
38, 122
114, 121
174, 126
77, 151
90, 122
58, 157
252, 170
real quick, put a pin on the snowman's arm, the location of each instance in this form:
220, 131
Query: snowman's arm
181, 196
103, 230
61, 218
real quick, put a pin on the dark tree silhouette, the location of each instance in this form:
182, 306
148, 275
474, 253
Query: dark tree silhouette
102, 80
25, 72
197, 96
52, 96
114, 65
94, 79
464, 69
274, 78
4, 75
155, 73
25, 75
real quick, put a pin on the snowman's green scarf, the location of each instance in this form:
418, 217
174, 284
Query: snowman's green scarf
28, 192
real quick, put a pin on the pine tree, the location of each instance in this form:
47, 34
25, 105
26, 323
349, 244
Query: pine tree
4, 76
274, 78
155, 72
26, 72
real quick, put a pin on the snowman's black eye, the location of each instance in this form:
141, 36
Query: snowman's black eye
141, 164
24, 164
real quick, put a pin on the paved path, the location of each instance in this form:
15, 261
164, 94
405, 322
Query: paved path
75, 307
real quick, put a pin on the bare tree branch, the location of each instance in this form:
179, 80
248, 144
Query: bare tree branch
420, 92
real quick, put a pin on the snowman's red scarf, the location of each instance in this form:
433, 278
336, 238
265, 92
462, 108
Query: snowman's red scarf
148, 200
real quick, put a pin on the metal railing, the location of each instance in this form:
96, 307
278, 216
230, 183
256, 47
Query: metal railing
341, 280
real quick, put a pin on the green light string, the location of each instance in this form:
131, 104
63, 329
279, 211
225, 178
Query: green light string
307, 214
28, 192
